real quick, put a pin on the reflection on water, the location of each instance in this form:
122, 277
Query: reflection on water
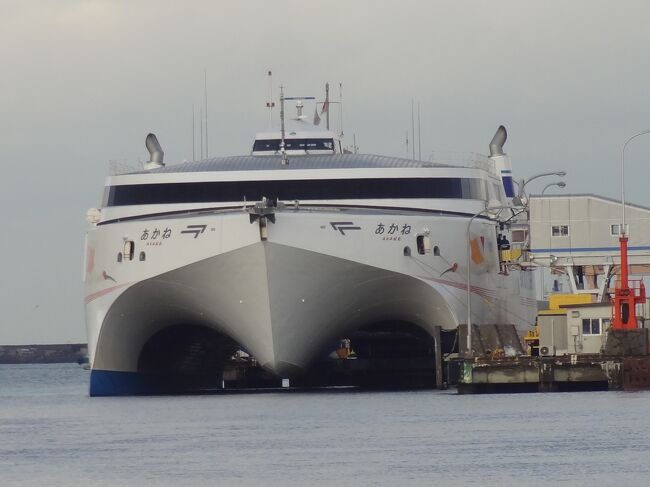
52, 433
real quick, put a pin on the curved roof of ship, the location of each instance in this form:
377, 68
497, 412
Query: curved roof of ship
314, 161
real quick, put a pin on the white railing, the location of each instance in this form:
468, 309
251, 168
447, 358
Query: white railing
115, 167
463, 159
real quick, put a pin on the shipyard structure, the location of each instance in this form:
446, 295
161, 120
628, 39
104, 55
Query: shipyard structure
591, 254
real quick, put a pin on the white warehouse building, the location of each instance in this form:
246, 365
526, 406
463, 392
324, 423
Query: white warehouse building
578, 235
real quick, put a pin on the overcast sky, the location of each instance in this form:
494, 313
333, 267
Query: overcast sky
83, 82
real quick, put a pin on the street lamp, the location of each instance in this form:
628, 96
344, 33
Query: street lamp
523, 182
556, 173
626, 299
622, 231
559, 184
469, 275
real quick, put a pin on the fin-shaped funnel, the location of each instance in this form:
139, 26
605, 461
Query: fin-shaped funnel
501, 161
156, 153
499, 139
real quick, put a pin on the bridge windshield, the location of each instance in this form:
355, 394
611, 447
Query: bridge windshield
273, 145
290, 190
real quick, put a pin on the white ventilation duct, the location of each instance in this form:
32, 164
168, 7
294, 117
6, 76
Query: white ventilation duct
156, 153
501, 160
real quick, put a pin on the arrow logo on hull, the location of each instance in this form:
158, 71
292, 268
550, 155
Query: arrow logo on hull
195, 230
343, 226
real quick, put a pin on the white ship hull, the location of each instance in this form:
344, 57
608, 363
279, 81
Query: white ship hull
288, 294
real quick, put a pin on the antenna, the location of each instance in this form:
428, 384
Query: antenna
407, 143
412, 129
270, 104
326, 106
205, 95
282, 145
193, 136
201, 117
341, 109
419, 136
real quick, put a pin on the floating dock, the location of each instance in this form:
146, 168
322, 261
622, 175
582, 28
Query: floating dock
624, 365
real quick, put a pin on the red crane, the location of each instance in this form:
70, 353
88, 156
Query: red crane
626, 297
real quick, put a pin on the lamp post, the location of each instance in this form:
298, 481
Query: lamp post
556, 173
559, 184
521, 195
469, 275
522, 184
626, 299
622, 231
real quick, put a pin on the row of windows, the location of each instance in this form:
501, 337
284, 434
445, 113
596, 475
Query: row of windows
273, 145
291, 190
563, 230
595, 326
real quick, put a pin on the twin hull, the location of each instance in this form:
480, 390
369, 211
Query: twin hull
286, 293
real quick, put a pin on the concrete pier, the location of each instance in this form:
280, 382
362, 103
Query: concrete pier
623, 365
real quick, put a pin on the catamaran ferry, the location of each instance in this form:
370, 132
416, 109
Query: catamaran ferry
281, 253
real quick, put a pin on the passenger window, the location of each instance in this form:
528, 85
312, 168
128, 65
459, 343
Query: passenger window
407, 251
119, 256
142, 256
436, 250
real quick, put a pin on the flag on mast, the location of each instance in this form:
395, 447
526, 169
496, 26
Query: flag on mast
316, 117
326, 105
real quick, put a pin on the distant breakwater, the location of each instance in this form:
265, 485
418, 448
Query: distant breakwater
44, 354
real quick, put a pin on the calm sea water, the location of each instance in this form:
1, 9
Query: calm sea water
52, 433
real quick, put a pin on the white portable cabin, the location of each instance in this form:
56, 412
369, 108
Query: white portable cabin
574, 329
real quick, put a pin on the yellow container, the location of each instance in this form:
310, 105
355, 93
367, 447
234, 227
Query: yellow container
510, 255
557, 300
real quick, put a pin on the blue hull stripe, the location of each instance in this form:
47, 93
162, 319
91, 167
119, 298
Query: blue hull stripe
112, 383
588, 249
